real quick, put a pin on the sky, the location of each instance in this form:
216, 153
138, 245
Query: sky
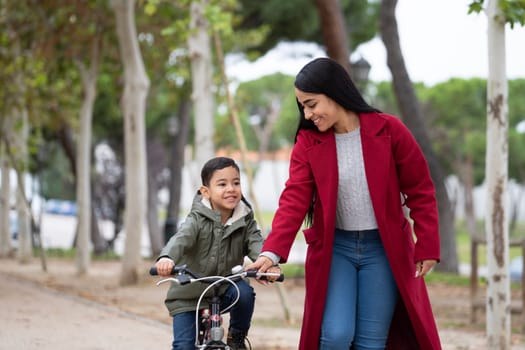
439, 40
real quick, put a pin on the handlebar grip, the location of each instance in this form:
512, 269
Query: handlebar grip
176, 269
255, 273
280, 278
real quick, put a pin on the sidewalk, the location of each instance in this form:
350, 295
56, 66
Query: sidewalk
57, 310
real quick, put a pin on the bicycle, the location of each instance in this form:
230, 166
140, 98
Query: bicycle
209, 332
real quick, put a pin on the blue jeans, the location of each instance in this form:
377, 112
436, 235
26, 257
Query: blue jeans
361, 295
240, 316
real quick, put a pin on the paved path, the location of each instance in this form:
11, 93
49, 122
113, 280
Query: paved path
35, 317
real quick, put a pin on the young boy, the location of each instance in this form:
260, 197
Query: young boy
218, 233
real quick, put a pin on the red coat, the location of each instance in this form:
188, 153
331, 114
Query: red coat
394, 164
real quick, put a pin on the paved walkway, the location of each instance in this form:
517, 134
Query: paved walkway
35, 317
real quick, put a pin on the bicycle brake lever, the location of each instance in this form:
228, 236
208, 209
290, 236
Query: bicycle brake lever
183, 279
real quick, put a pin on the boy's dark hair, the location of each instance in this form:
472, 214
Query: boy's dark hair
214, 164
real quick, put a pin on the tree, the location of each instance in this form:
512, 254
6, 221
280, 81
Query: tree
499, 13
16, 59
458, 135
298, 20
412, 115
263, 108
199, 46
496, 228
335, 36
133, 109
89, 79
6, 248
176, 165
23, 211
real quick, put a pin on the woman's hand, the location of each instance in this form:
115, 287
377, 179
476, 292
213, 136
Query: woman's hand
264, 264
424, 267
274, 269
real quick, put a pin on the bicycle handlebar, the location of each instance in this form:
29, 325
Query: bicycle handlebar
263, 275
175, 271
184, 270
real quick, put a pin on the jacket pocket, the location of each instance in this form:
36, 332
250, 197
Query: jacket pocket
311, 236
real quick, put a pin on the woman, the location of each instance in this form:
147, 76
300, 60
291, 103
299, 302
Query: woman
352, 170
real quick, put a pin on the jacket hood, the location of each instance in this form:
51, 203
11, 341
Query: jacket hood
202, 205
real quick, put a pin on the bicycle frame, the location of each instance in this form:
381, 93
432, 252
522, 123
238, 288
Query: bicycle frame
209, 332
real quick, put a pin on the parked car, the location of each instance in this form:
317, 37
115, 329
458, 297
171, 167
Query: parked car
60, 207
13, 228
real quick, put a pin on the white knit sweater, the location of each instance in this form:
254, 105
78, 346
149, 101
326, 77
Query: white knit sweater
354, 206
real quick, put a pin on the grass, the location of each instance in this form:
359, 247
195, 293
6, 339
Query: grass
449, 279
293, 270
70, 254
463, 243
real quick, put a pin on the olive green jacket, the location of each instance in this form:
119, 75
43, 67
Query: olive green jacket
210, 248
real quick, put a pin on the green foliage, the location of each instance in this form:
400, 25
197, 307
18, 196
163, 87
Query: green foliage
455, 113
382, 97
513, 10
287, 125
517, 155
516, 102
108, 125
436, 277
258, 98
55, 174
298, 20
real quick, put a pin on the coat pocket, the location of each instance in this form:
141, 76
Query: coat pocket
311, 236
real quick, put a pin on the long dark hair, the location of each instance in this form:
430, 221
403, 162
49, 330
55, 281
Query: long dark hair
326, 76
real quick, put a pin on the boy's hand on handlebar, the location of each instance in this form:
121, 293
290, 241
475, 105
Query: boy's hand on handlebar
164, 266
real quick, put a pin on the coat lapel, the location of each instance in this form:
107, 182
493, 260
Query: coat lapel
323, 158
377, 158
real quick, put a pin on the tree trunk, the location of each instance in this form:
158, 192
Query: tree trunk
201, 71
6, 248
133, 106
153, 213
65, 137
496, 172
333, 27
83, 183
264, 131
176, 166
23, 211
412, 115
